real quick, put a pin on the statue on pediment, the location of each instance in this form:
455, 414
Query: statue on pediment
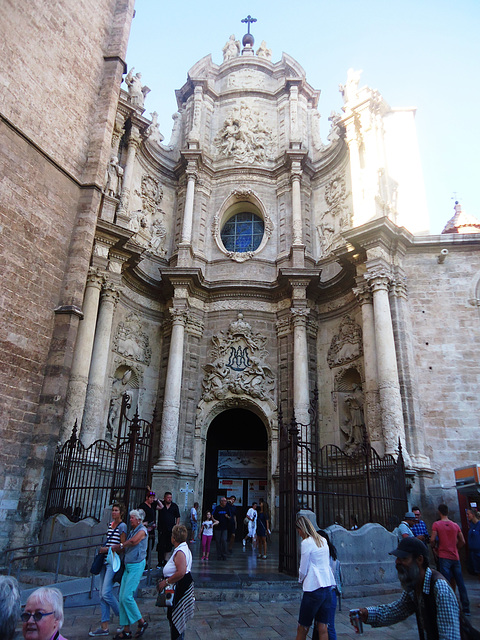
231, 49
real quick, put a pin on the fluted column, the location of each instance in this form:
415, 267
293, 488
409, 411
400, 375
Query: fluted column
301, 395
94, 416
189, 199
173, 391
371, 406
123, 210
297, 207
388, 383
77, 387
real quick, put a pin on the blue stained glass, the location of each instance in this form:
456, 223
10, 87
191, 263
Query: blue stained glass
242, 232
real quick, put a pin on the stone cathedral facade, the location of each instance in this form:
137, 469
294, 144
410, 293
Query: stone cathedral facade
222, 275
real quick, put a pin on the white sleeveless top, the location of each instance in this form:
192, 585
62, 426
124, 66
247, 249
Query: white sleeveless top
169, 569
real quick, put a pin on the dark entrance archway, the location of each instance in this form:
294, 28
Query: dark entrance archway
236, 460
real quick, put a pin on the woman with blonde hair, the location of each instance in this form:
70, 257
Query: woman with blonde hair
317, 580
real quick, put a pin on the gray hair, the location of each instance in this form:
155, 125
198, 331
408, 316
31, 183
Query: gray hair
9, 606
50, 597
139, 514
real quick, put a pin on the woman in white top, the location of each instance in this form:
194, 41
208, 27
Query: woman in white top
317, 580
177, 572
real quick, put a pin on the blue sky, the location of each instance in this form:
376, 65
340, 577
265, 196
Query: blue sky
424, 54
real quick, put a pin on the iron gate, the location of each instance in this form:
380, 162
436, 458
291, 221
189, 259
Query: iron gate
85, 480
335, 485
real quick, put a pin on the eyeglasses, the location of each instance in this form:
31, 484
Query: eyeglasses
37, 616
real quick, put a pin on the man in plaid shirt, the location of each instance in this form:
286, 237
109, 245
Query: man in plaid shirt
419, 529
426, 593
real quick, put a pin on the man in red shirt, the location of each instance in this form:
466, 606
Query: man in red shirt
446, 538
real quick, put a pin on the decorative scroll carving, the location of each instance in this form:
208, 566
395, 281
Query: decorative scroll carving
131, 342
152, 194
336, 218
346, 345
238, 364
244, 136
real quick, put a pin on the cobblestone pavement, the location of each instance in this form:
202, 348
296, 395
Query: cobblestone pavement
252, 621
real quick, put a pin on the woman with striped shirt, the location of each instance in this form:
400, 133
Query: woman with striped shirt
116, 534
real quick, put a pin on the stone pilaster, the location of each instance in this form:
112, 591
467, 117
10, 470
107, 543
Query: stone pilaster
123, 209
189, 200
94, 416
379, 276
77, 388
407, 373
301, 395
173, 392
372, 402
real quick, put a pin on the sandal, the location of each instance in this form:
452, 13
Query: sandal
141, 630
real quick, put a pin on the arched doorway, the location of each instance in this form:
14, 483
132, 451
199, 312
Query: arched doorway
236, 460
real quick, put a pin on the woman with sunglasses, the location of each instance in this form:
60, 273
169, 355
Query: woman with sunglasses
43, 615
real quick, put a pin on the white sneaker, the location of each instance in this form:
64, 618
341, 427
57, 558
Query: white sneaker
244, 543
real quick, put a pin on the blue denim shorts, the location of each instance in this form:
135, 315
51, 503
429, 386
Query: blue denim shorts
315, 606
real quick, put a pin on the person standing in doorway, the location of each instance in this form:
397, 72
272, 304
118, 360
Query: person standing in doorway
449, 538
263, 528
222, 514
232, 523
168, 517
252, 524
194, 521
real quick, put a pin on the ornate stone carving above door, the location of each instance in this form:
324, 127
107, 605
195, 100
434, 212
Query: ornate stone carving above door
237, 365
346, 345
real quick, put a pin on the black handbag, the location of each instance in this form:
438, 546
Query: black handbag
99, 559
118, 575
98, 563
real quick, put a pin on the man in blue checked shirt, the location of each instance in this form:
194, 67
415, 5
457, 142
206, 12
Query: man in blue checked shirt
426, 593
419, 529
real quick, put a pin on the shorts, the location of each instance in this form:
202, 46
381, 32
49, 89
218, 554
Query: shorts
475, 560
315, 605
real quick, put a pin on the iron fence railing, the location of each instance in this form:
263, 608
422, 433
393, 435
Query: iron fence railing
347, 489
85, 480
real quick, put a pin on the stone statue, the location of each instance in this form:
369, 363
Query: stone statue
264, 52
119, 387
138, 220
157, 241
113, 177
153, 130
176, 130
231, 49
136, 91
349, 90
354, 426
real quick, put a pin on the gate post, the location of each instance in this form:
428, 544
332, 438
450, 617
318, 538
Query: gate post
132, 439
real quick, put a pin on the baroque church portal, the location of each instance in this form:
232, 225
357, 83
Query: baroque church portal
222, 275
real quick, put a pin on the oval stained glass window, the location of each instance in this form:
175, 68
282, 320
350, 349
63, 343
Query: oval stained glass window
242, 232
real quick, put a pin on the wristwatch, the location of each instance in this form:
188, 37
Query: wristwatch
121, 545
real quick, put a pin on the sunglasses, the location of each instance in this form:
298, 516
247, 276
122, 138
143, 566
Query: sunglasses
151, 493
37, 616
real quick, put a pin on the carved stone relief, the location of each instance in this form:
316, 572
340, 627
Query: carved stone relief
131, 342
346, 345
147, 223
245, 137
237, 365
336, 219
125, 379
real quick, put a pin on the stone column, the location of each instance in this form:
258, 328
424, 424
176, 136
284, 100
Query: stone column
123, 211
94, 416
294, 135
301, 395
296, 207
77, 387
173, 392
388, 384
371, 406
189, 199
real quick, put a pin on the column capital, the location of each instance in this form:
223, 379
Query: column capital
378, 277
363, 294
110, 292
296, 173
192, 170
95, 278
179, 316
398, 287
299, 317
134, 138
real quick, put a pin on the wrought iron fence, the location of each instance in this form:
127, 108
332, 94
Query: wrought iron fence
85, 480
340, 488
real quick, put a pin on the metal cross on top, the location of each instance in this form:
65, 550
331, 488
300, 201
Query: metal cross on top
186, 491
248, 20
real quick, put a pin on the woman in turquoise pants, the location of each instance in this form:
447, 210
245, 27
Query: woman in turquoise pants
135, 547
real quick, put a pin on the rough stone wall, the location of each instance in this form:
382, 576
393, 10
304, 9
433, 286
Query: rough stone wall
56, 117
446, 333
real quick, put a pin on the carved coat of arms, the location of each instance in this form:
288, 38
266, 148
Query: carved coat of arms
238, 364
